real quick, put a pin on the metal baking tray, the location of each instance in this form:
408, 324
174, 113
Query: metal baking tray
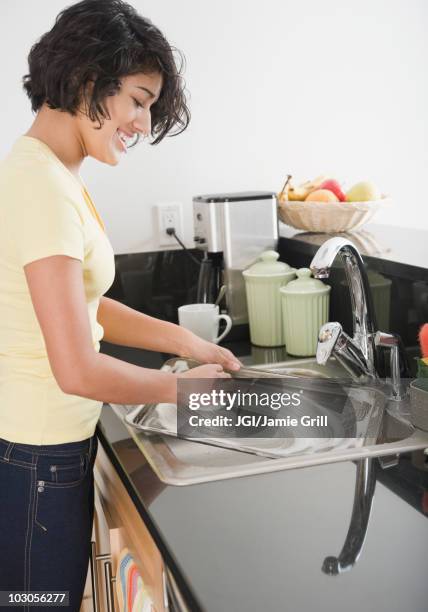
366, 404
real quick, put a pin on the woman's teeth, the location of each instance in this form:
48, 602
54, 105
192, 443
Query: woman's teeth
124, 139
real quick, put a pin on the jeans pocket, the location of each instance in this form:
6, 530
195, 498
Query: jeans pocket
70, 470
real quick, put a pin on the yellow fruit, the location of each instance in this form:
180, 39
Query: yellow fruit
302, 191
298, 193
283, 194
364, 191
322, 195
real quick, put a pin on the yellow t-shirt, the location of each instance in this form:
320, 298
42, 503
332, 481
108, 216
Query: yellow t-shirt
44, 211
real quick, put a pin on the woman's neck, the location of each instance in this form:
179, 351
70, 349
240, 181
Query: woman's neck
58, 130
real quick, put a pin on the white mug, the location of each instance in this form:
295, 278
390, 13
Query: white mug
203, 320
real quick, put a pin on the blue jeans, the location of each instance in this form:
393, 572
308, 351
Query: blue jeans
46, 516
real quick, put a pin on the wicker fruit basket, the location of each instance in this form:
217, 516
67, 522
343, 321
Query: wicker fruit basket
328, 217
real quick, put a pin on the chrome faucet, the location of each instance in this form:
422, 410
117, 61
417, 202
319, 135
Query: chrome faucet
365, 484
358, 354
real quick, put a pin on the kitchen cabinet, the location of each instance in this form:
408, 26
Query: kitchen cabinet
117, 524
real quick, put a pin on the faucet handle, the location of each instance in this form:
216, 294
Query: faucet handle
385, 339
392, 342
332, 340
327, 338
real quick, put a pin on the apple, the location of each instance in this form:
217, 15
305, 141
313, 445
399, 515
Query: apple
322, 195
335, 187
364, 191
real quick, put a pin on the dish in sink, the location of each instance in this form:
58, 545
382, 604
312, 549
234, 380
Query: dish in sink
182, 462
186, 461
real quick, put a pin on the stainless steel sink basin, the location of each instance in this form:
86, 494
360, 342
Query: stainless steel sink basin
182, 462
306, 367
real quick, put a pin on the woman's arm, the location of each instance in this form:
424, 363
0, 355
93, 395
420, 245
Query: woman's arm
128, 327
58, 296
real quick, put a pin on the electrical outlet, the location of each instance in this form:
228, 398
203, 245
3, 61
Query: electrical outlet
169, 215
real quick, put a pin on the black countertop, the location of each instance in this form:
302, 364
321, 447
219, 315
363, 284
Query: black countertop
258, 543
390, 244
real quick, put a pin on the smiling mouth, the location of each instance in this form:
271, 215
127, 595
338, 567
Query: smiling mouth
125, 139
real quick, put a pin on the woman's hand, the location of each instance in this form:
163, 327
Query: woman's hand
208, 352
209, 370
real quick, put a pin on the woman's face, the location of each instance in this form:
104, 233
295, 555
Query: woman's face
129, 111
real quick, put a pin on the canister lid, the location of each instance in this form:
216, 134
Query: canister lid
305, 283
269, 266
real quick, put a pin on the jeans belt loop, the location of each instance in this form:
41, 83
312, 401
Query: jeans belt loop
8, 450
90, 447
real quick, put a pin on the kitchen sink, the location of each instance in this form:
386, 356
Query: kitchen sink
182, 462
305, 367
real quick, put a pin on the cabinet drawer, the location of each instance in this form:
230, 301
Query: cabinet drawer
126, 528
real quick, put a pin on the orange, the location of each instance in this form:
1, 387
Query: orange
322, 195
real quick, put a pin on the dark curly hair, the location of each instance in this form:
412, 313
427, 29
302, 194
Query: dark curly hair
101, 41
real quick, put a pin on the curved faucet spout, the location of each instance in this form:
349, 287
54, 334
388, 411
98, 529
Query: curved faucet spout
364, 320
363, 497
326, 254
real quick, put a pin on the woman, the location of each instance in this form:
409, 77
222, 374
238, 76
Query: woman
102, 77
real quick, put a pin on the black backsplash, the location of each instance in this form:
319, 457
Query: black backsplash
157, 283
399, 292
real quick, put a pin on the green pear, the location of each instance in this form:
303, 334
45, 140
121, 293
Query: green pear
363, 192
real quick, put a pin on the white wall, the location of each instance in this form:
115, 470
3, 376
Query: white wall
299, 86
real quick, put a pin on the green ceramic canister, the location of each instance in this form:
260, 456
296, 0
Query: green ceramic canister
262, 283
305, 308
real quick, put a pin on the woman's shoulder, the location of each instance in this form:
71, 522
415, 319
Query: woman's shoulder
35, 172
33, 177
